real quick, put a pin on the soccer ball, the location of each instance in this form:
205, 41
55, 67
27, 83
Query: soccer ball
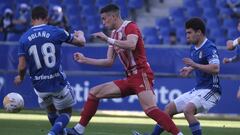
13, 102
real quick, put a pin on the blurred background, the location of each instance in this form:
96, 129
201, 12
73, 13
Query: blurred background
162, 25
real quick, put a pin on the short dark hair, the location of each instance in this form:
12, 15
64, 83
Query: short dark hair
196, 24
39, 12
109, 8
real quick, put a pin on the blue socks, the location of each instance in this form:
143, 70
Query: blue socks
60, 123
52, 117
196, 128
157, 130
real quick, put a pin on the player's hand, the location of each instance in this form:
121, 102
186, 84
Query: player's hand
230, 45
80, 35
226, 60
18, 80
100, 35
79, 57
185, 71
189, 62
238, 93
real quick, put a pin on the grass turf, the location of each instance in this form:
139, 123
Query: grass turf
35, 123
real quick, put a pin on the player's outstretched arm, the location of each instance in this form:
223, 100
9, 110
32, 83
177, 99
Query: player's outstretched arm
78, 39
107, 62
21, 70
231, 44
231, 60
238, 93
129, 43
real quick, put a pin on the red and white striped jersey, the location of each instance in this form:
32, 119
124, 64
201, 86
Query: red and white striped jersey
133, 60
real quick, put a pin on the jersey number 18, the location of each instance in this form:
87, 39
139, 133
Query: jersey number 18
48, 52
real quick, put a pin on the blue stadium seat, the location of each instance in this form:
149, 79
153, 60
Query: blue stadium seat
182, 40
76, 22
13, 37
71, 2
216, 32
86, 2
220, 41
213, 23
194, 12
232, 33
135, 4
190, 4
162, 22
73, 10
55, 2
164, 31
177, 13
120, 2
89, 11
221, 4
22, 1
152, 40
225, 12
124, 11
93, 28
166, 39
149, 31
181, 35
93, 19
178, 22
210, 13
229, 23
207, 3
102, 3
38, 2
1, 36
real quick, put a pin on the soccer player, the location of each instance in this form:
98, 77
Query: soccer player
207, 92
40, 49
231, 45
126, 42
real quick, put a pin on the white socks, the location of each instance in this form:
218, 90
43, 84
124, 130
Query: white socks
79, 128
180, 133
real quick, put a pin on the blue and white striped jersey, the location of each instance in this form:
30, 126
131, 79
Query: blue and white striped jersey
207, 53
41, 46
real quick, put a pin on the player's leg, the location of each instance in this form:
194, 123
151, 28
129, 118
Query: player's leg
106, 90
63, 102
189, 113
171, 110
45, 101
52, 114
201, 101
148, 103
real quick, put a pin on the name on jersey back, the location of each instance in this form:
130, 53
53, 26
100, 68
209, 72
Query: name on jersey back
39, 34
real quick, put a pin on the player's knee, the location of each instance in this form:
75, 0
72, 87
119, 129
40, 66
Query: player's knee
93, 95
189, 111
170, 109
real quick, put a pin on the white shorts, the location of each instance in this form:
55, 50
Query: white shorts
61, 100
203, 99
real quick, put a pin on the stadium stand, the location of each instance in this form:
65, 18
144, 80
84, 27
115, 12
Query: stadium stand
82, 14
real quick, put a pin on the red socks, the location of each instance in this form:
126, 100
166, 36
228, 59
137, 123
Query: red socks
89, 109
162, 119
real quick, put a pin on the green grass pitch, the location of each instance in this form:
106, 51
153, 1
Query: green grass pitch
35, 123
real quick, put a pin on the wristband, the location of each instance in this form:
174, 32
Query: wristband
235, 42
111, 41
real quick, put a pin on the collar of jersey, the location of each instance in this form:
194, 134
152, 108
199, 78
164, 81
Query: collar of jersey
38, 25
205, 40
123, 25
